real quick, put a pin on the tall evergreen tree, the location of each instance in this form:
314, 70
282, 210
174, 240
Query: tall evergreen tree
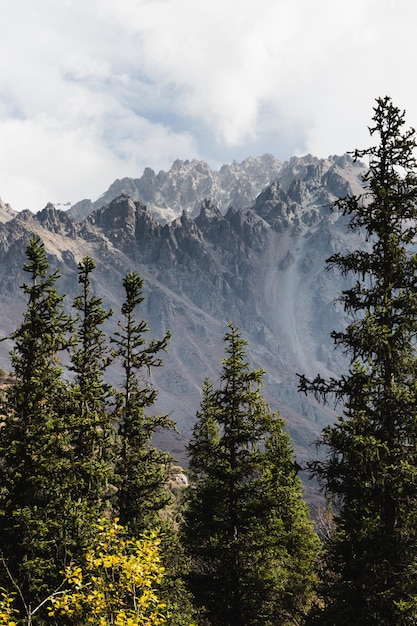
35, 508
370, 469
141, 468
247, 528
92, 433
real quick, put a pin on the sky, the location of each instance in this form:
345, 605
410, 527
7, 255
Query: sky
94, 90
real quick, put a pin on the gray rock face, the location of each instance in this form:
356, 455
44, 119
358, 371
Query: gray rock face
261, 267
6, 212
187, 184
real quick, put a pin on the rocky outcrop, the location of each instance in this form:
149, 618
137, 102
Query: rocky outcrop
6, 212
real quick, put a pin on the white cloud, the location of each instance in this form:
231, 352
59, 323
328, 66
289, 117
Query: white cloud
91, 91
52, 164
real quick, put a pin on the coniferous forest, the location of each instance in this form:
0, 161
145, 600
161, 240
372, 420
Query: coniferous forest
91, 529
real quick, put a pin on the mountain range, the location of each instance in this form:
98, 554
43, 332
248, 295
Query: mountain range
246, 244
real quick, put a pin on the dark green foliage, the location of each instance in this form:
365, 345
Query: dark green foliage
252, 543
371, 467
62, 459
92, 434
90, 357
140, 468
247, 529
36, 512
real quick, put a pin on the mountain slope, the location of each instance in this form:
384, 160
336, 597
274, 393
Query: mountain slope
261, 267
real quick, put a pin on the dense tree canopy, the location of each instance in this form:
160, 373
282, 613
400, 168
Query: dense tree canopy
74, 449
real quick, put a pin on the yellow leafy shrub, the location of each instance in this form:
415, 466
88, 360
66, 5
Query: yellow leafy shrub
119, 583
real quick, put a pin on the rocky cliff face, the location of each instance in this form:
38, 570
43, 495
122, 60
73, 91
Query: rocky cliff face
262, 267
187, 184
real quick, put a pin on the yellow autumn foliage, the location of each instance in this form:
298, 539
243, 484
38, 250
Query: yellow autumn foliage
119, 583
8, 615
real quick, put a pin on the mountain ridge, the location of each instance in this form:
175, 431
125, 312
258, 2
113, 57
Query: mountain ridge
187, 184
261, 266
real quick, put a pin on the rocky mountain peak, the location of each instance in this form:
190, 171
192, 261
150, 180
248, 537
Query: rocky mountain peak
208, 211
56, 220
187, 184
119, 214
275, 206
6, 212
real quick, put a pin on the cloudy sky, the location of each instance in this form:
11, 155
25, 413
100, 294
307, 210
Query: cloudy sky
93, 90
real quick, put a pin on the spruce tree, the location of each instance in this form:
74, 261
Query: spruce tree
92, 433
247, 527
35, 505
140, 468
370, 470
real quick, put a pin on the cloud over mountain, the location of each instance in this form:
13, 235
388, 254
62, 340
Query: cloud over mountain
94, 91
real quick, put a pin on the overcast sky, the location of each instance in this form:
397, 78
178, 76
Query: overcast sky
93, 90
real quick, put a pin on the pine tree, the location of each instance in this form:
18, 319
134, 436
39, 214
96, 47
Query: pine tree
141, 468
92, 433
35, 507
370, 470
247, 528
